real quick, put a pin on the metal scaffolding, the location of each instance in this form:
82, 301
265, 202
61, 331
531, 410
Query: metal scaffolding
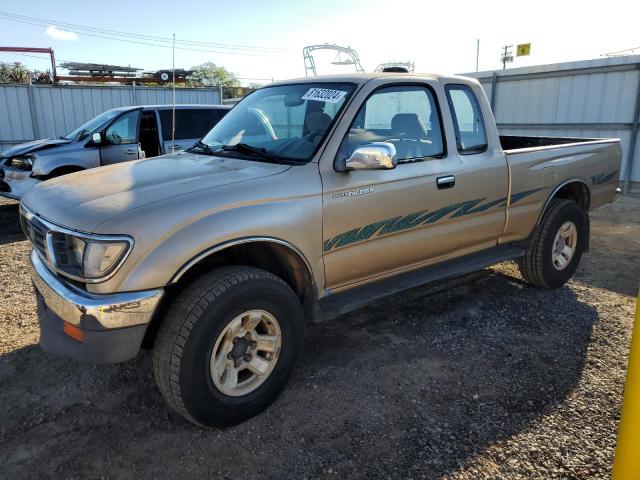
350, 53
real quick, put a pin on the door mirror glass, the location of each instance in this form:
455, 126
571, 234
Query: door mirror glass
96, 138
372, 156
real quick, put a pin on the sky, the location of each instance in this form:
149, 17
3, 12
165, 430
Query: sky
437, 36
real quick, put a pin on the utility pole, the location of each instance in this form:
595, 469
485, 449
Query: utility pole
507, 55
173, 87
477, 53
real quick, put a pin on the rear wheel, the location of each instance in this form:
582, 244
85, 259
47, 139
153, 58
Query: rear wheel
227, 345
558, 247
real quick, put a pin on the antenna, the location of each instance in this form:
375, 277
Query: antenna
173, 88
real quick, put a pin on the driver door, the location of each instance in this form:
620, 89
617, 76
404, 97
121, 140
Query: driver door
121, 142
435, 205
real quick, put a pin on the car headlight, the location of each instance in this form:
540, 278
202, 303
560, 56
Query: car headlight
85, 258
22, 162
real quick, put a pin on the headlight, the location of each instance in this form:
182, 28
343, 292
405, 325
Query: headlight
22, 162
85, 258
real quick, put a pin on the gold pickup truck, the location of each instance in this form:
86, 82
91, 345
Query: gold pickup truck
311, 198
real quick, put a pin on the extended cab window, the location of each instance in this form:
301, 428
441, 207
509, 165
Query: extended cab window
405, 116
471, 136
190, 123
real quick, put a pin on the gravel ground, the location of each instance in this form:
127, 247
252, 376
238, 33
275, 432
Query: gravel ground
489, 378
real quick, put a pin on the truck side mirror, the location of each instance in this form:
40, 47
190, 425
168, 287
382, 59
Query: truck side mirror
96, 138
372, 156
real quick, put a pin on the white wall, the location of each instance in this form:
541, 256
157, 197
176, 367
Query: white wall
58, 109
592, 98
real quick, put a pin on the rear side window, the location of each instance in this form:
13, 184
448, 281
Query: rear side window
471, 135
190, 124
405, 116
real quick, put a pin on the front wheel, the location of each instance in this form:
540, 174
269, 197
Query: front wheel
558, 247
227, 345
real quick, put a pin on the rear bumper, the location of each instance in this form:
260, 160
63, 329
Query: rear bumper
15, 183
113, 326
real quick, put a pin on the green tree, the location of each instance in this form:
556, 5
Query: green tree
209, 74
13, 73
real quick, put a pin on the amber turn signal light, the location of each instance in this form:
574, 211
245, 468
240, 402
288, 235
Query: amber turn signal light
73, 332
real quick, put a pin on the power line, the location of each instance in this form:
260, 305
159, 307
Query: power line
149, 40
48, 58
626, 51
155, 44
169, 40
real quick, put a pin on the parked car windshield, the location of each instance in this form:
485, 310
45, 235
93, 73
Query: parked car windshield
282, 122
92, 125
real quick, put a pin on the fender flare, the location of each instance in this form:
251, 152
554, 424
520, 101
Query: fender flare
556, 190
231, 243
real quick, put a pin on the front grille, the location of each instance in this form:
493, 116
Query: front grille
36, 232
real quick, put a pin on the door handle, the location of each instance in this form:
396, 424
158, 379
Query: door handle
447, 181
130, 151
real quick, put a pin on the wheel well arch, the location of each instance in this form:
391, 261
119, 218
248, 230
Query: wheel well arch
270, 254
576, 190
63, 170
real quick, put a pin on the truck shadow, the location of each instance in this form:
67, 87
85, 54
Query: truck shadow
10, 230
614, 255
412, 386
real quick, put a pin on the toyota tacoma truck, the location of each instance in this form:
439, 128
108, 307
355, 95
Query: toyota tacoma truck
309, 199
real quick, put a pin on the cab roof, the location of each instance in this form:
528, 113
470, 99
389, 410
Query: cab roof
362, 78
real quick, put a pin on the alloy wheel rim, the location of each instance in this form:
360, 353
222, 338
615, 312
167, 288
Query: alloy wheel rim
564, 245
245, 353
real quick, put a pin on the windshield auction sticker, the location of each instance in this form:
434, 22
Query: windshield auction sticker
324, 95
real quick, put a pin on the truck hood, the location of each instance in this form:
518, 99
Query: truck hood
83, 200
33, 146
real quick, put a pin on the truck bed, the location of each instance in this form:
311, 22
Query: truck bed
518, 142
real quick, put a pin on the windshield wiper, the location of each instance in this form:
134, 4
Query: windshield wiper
201, 146
245, 148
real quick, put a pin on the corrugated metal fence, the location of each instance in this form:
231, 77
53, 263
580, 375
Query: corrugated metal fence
29, 112
593, 98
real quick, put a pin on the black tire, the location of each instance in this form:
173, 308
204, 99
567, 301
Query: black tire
537, 266
193, 322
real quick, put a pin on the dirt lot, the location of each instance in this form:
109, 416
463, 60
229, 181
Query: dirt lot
489, 379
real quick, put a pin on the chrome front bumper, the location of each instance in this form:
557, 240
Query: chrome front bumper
89, 311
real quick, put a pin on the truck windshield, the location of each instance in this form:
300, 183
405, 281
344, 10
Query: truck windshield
286, 122
92, 125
